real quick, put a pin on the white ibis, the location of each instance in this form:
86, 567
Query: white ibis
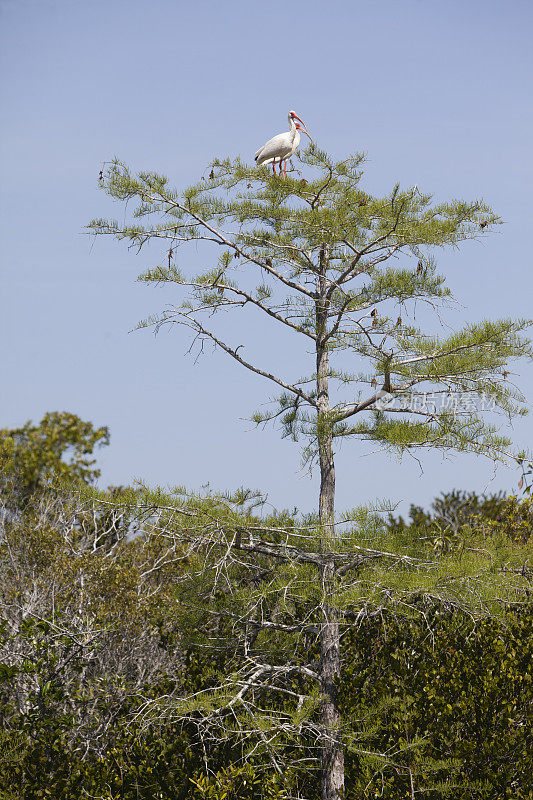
281, 147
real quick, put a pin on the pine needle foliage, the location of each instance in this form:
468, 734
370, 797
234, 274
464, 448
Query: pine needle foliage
375, 258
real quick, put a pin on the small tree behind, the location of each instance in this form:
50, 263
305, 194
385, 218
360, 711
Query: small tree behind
345, 272
59, 447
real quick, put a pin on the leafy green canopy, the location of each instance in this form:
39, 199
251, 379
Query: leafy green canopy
59, 446
283, 247
455, 512
248, 592
441, 694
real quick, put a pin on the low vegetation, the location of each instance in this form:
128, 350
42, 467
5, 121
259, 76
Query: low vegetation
104, 633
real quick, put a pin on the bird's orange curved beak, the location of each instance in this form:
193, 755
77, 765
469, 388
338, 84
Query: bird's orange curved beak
304, 128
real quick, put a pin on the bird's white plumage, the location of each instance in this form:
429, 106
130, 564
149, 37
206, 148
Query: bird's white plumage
280, 147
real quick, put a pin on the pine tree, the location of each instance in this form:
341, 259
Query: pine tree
344, 271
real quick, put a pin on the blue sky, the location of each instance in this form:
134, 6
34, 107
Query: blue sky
437, 94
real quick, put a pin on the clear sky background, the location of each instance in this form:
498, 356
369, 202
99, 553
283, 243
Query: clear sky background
436, 93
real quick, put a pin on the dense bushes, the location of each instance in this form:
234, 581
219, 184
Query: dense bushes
93, 624
463, 702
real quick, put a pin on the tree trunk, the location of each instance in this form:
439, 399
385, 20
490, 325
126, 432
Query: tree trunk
332, 756
332, 750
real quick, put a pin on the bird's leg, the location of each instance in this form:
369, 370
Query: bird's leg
274, 166
285, 168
